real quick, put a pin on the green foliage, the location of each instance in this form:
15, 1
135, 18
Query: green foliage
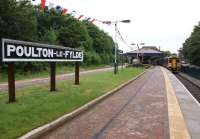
22, 21
75, 35
17, 20
102, 43
92, 58
191, 47
167, 53
50, 37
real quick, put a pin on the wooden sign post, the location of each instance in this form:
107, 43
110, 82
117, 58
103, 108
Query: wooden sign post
19, 51
11, 82
53, 76
76, 73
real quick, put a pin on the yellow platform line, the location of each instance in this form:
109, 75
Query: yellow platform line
177, 125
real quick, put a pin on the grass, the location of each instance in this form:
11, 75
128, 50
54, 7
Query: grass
59, 70
36, 106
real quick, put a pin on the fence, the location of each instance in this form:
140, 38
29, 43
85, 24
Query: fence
191, 70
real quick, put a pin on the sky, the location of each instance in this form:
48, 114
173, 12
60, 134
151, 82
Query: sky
162, 23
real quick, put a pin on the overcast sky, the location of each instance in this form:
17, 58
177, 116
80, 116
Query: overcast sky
164, 23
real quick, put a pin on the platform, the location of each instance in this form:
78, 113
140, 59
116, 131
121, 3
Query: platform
190, 108
155, 106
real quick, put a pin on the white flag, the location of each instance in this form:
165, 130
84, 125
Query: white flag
51, 5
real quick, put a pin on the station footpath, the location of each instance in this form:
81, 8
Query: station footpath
44, 81
155, 106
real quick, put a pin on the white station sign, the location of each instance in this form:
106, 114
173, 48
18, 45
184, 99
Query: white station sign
13, 51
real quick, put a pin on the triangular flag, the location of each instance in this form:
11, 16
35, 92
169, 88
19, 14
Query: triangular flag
58, 8
80, 17
73, 13
87, 18
93, 20
51, 5
64, 11
43, 4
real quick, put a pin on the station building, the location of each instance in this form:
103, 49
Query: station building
146, 55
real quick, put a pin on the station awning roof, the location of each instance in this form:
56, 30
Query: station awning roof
145, 51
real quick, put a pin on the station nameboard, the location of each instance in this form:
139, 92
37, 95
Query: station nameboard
13, 51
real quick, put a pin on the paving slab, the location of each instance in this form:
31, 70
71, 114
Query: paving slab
177, 125
136, 111
190, 107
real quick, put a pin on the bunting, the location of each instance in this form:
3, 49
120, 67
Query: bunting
43, 2
51, 5
93, 20
87, 19
64, 11
58, 8
72, 13
80, 17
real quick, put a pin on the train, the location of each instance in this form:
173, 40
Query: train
172, 63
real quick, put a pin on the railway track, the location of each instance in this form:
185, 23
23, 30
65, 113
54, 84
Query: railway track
194, 90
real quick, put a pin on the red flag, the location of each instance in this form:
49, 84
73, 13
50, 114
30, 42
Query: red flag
43, 4
80, 17
64, 11
93, 20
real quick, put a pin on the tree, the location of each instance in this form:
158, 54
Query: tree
191, 47
17, 20
75, 35
167, 53
103, 44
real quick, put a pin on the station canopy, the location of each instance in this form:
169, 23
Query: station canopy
146, 51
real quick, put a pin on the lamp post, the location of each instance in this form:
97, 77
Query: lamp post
116, 46
138, 44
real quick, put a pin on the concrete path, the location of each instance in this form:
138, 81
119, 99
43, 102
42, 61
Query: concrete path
137, 111
42, 81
